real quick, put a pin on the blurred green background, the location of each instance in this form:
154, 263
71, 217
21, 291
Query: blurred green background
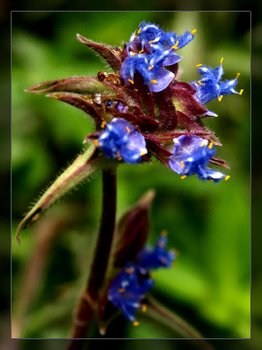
208, 223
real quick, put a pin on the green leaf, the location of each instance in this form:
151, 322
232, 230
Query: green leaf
82, 168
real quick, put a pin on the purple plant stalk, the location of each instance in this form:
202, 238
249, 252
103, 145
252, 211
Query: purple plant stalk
141, 111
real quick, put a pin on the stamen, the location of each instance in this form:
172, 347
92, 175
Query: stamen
139, 30
149, 68
164, 233
241, 91
118, 155
130, 270
141, 51
127, 129
133, 54
202, 144
153, 81
199, 82
103, 124
227, 177
210, 145
220, 98
152, 41
175, 46
136, 323
182, 164
199, 65
221, 60
143, 153
131, 81
144, 307
121, 290
183, 177
193, 31
238, 74
96, 142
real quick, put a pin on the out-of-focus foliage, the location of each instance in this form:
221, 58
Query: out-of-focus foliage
208, 223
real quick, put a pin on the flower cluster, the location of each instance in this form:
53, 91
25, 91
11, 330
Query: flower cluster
121, 141
129, 287
148, 54
210, 86
191, 156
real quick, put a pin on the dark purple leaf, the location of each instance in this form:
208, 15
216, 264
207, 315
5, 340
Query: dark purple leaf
186, 103
166, 109
80, 85
110, 53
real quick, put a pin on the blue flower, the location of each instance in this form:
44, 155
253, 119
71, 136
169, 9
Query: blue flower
119, 140
211, 86
191, 156
157, 257
129, 287
149, 53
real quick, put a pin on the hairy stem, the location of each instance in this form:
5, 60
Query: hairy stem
85, 310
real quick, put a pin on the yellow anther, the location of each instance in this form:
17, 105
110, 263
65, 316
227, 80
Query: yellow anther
209, 180
153, 81
149, 68
175, 46
182, 164
199, 82
193, 31
202, 144
227, 177
136, 323
103, 124
96, 142
164, 233
241, 91
221, 60
183, 177
130, 270
133, 54
143, 153
141, 51
220, 98
199, 65
238, 74
152, 41
121, 290
139, 30
118, 155
210, 145
127, 129
131, 81
144, 307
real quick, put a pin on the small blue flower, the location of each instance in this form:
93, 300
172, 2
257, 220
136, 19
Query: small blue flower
133, 282
191, 156
119, 140
158, 257
211, 86
128, 289
149, 53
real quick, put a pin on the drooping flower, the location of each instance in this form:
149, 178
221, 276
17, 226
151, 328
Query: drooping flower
148, 54
211, 86
119, 140
157, 257
191, 156
129, 287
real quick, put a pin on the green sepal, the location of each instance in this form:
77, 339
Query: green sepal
82, 168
